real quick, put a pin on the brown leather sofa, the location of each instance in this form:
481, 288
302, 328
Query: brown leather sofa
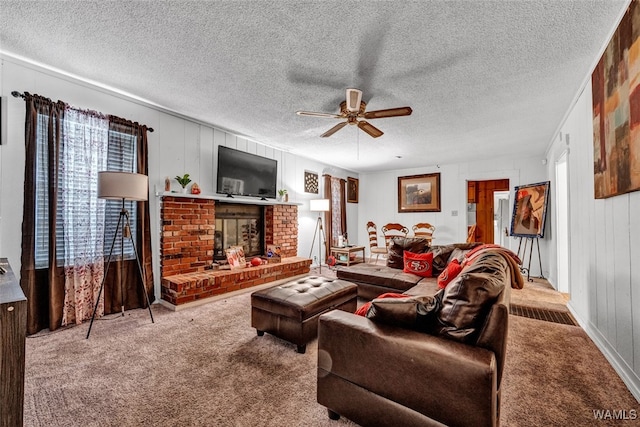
374, 279
386, 371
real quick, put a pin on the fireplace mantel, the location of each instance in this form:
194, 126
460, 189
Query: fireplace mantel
223, 198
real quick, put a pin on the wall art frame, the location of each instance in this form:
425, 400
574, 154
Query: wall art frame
352, 190
615, 86
530, 210
311, 182
419, 193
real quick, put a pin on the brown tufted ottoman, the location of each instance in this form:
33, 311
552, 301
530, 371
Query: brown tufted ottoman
290, 311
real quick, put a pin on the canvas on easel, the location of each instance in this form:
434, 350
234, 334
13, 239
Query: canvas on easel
530, 210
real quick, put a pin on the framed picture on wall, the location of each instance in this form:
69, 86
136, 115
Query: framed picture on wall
310, 182
530, 210
419, 193
352, 190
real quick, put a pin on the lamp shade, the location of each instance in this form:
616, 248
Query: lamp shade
123, 185
319, 205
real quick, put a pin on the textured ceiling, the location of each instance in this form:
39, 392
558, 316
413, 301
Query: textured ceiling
484, 78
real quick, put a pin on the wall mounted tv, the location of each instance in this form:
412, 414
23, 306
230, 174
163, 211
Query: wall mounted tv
246, 174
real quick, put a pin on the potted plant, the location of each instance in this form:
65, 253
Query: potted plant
283, 195
183, 181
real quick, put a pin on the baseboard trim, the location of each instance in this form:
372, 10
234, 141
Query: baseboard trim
630, 379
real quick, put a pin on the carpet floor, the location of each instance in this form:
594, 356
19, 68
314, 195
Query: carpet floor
206, 366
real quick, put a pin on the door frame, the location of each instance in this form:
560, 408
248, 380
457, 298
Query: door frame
563, 239
513, 175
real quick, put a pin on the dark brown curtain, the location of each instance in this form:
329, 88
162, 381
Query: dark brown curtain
339, 198
44, 287
343, 206
134, 296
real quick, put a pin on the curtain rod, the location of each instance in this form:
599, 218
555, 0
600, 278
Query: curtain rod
17, 94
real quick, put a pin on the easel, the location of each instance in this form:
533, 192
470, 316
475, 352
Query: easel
527, 269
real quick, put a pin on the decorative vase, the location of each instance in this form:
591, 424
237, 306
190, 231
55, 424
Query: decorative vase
184, 190
285, 198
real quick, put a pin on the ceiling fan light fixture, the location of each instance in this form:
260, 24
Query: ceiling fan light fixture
353, 110
354, 97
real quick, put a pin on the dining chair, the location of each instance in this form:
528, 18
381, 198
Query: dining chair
372, 230
425, 230
393, 229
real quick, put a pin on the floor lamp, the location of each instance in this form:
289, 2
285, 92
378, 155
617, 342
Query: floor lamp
320, 206
122, 186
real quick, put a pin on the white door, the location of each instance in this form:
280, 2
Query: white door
501, 219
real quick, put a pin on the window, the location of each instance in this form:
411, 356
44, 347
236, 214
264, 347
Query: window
88, 149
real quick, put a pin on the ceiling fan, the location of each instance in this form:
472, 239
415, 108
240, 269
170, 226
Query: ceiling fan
353, 110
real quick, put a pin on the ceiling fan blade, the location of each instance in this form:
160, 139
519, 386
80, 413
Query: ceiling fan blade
391, 112
334, 129
314, 114
354, 96
370, 129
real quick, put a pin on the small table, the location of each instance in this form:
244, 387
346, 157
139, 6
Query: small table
346, 250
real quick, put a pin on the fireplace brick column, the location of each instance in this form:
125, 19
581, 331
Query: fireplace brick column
281, 228
188, 226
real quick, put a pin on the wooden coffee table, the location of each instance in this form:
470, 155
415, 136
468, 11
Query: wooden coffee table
336, 251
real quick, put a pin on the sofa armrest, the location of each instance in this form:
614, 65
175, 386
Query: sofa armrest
445, 380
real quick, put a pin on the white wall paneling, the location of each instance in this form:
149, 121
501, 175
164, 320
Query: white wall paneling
605, 278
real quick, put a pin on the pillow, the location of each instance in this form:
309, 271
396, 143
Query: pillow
398, 245
413, 312
420, 264
443, 254
453, 269
362, 311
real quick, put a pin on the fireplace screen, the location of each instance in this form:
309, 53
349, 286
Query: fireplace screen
238, 225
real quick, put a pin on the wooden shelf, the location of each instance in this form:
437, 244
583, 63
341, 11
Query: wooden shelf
224, 198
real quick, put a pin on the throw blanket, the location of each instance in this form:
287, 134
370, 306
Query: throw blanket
517, 281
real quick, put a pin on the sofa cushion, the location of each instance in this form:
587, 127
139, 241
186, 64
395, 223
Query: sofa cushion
389, 278
443, 254
415, 312
426, 286
451, 272
466, 301
397, 246
420, 264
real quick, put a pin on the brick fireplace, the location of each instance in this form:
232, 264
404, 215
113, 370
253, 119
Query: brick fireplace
187, 246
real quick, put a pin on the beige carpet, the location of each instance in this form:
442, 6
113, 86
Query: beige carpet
205, 366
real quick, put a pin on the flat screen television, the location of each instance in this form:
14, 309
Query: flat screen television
246, 174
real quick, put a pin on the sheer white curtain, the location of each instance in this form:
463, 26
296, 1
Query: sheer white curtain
85, 138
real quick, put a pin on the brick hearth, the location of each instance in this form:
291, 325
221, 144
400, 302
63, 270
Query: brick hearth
186, 243
184, 288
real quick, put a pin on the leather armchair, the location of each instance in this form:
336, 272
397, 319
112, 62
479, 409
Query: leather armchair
384, 375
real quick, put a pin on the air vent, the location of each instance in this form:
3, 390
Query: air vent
554, 316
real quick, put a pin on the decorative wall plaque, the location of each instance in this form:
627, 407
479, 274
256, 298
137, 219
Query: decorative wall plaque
310, 182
